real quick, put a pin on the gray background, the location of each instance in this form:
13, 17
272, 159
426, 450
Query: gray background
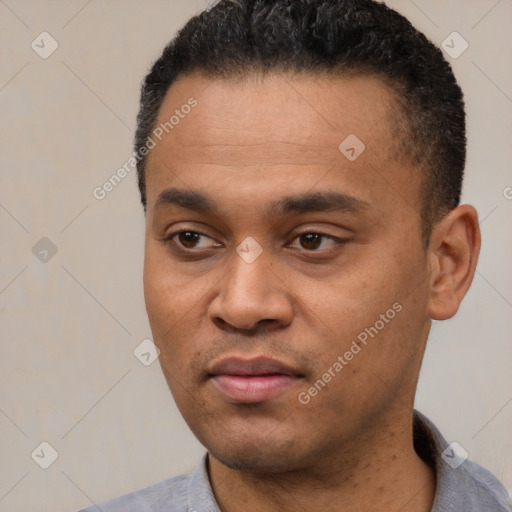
69, 325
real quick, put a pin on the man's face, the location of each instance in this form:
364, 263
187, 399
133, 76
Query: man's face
296, 253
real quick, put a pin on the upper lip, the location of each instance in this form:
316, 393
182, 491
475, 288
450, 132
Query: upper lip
251, 367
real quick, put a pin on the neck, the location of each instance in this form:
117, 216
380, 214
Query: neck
377, 471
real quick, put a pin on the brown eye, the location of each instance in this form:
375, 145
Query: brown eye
316, 242
189, 239
311, 241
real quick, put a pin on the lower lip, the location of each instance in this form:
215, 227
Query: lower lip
252, 389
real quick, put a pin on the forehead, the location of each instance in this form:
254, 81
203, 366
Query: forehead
276, 131
309, 113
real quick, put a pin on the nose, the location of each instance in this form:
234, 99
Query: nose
251, 296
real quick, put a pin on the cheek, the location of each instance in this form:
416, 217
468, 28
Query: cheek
361, 305
166, 301
352, 301
175, 305
167, 292
157, 292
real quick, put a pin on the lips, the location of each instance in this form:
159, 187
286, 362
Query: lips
252, 381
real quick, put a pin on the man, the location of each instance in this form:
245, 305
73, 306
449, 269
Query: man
300, 165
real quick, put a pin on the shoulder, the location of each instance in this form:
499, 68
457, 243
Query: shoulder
460, 483
169, 495
484, 491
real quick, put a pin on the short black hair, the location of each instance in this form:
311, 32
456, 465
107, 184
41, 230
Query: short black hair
237, 37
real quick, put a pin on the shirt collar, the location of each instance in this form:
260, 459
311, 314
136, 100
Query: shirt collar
465, 487
200, 493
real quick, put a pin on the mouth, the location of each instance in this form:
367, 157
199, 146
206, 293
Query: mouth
252, 381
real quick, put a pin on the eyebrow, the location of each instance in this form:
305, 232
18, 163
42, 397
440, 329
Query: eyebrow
301, 203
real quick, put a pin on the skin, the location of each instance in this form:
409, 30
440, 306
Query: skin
246, 145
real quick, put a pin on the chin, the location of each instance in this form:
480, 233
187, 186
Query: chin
250, 452
257, 461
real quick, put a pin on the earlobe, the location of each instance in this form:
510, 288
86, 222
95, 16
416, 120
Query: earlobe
453, 255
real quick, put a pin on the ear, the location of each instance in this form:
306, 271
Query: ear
453, 254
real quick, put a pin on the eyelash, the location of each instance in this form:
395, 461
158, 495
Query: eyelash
176, 245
